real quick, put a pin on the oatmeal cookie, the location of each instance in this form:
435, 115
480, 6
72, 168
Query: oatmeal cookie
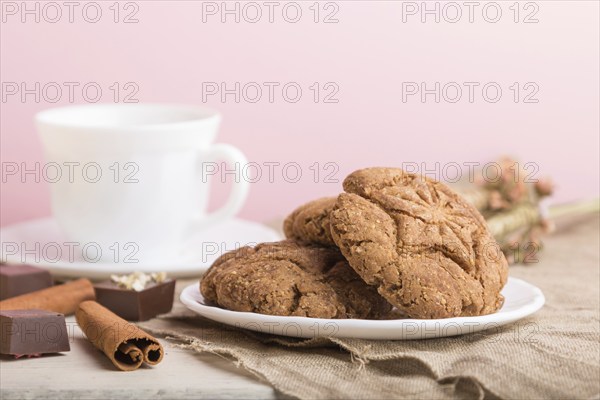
424, 248
286, 278
309, 223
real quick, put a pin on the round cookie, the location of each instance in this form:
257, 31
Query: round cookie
309, 223
289, 279
426, 249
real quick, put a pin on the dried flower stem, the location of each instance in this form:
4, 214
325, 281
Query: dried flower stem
506, 222
574, 209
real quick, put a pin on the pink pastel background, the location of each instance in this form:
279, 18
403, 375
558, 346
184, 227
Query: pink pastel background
368, 54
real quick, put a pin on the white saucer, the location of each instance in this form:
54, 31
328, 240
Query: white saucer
44, 237
521, 299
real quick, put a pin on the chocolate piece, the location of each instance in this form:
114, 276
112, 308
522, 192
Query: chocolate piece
20, 279
154, 299
32, 332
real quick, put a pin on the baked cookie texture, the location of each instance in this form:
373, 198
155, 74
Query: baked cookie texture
289, 279
309, 223
424, 248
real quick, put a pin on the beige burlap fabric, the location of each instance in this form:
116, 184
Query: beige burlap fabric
554, 354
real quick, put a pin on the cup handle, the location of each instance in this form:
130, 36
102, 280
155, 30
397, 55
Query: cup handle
239, 189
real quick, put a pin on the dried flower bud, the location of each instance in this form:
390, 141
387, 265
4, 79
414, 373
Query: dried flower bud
496, 202
544, 187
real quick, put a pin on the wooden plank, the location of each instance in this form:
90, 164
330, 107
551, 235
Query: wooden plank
86, 373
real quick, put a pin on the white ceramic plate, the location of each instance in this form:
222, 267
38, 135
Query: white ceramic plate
41, 243
521, 299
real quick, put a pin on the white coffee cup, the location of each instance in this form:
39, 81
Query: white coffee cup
130, 177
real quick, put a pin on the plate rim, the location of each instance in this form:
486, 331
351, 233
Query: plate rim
498, 318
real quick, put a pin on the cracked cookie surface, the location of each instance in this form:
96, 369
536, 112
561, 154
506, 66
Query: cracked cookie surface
289, 279
426, 249
309, 223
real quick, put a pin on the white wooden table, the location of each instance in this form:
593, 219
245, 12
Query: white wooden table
86, 373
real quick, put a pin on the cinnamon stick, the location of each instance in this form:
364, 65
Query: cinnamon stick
62, 299
126, 345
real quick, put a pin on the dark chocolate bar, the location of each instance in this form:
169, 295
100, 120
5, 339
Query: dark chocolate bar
156, 298
32, 332
20, 279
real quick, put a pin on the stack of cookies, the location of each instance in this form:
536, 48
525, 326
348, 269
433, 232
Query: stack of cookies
393, 240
